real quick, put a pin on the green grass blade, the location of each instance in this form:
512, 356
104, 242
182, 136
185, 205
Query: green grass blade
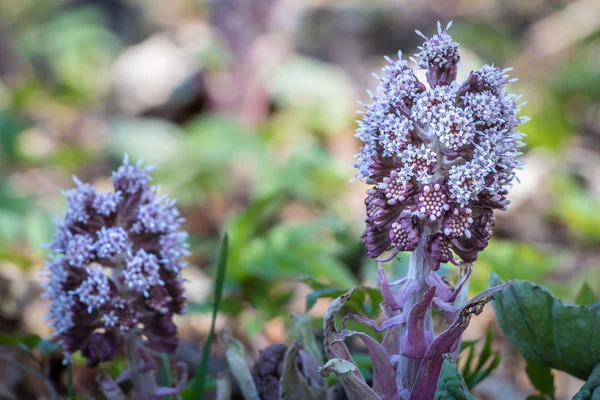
165, 372
486, 352
466, 372
196, 388
481, 374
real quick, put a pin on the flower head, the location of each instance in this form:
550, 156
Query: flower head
115, 267
440, 156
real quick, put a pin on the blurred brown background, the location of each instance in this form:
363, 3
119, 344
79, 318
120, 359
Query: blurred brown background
247, 108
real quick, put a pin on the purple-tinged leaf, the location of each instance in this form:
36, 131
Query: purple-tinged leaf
110, 388
460, 297
355, 388
384, 376
399, 282
310, 370
388, 323
391, 310
182, 379
125, 376
414, 340
163, 391
462, 283
490, 291
429, 372
443, 291
292, 385
448, 309
403, 294
391, 339
451, 310
386, 292
404, 394
337, 349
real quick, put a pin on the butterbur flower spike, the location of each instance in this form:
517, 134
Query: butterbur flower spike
441, 157
114, 276
445, 154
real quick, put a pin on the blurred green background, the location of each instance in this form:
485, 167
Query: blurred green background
247, 110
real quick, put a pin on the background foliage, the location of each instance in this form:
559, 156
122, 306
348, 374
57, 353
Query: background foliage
247, 111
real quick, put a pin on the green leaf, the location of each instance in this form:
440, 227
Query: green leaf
47, 347
486, 352
484, 372
230, 306
549, 127
210, 383
487, 362
375, 298
38, 228
328, 292
313, 283
358, 301
451, 385
541, 378
292, 384
293, 249
466, 372
591, 388
545, 330
312, 92
25, 341
586, 295
162, 139
575, 207
302, 333
465, 344
10, 126
364, 364
236, 360
514, 261
75, 45
195, 388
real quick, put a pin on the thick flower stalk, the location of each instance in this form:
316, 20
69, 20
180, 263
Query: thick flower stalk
114, 278
441, 157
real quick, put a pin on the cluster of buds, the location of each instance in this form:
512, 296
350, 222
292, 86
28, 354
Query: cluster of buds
440, 157
279, 372
115, 271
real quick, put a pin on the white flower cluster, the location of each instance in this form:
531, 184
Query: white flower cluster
430, 149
